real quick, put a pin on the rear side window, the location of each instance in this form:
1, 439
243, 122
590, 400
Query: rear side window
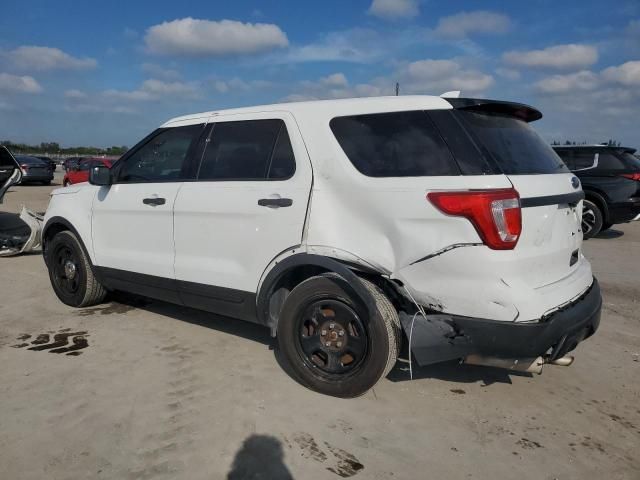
631, 161
248, 150
399, 144
583, 160
618, 160
162, 159
513, 144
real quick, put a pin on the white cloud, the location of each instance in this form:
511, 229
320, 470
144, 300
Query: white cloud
194, 37
158, 71
28, 57
358, 45
429, 77
627, 74
224, 86
75, 94
335, 85
508, 73
559, 57
154, 89
582, 80
462, 24
99, 108
394, 9
15, 83
434, 77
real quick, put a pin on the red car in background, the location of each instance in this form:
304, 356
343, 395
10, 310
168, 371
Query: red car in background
80, 172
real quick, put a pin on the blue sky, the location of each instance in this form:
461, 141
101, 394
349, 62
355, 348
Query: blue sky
107, 73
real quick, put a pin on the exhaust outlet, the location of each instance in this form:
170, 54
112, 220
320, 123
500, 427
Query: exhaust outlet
562, 362
530, 365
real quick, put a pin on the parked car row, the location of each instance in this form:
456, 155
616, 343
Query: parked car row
610, 178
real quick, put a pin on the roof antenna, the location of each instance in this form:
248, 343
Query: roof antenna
397, 89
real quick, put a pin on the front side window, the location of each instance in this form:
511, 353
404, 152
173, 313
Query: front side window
513, 144
397, 144
248, 150
161, 159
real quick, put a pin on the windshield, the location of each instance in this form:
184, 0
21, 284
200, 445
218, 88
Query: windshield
30, 160
512, 143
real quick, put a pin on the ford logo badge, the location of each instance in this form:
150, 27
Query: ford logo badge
575, 182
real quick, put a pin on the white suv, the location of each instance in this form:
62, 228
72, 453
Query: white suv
337, 224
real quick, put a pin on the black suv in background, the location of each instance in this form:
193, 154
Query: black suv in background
610, 179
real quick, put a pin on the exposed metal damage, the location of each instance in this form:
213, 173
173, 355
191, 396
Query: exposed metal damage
20, 233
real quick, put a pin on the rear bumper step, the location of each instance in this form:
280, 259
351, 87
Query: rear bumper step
440, 338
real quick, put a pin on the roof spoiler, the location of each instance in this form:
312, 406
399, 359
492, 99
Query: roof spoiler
512, 109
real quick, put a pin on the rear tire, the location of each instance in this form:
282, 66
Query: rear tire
592, 219
330, 343
71, 273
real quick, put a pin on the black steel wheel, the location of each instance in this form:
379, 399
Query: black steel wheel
67, 277
331, 337
71, 273
331, 342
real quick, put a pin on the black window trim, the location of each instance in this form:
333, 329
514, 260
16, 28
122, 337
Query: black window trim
187, 166
273, 147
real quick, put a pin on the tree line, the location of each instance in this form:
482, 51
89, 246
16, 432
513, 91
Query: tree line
54, 148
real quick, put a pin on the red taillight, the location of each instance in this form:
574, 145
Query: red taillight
495, 214
632, 176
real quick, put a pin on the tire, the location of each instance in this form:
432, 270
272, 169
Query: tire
46, 183
75, 285
606, 226
321, 311
592, 219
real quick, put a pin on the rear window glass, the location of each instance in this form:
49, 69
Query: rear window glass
630, 161
398, 144
513, 144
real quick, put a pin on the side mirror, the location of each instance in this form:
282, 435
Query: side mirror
10, 171
100, 175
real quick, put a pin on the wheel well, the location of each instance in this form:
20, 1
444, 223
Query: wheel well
51, 231
274, 295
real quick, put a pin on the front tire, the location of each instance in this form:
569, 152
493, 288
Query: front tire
70, 272
592, 219
329, 341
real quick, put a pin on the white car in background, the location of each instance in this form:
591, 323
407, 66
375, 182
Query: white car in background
340, 223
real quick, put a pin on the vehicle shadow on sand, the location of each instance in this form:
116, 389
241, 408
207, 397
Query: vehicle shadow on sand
609, 234
248, 330
448, 371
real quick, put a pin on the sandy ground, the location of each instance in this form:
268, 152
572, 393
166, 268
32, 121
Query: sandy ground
168, 392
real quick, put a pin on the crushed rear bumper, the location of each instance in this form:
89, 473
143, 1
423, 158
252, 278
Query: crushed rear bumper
441, 338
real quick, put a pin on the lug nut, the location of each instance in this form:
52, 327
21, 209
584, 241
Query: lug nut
341, 333
331, 325
339, 344
323, 332
328, 344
